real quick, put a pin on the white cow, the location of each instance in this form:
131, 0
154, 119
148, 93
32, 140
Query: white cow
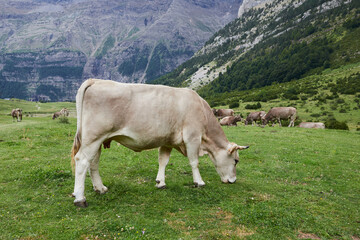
140, 117
312, 125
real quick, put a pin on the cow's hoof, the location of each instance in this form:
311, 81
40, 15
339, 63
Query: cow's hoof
102, 190
198, 185
82, 204
160, 185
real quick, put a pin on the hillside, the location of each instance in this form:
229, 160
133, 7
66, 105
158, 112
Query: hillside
277, 41
47, 47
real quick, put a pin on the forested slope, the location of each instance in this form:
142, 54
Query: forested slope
278, 42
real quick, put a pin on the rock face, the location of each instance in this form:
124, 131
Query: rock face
48, 47
248, 4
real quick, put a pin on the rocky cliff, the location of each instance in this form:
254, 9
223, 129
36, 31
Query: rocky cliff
48, 47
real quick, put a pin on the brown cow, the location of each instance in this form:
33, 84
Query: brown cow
253, 117
220, 113
278, 113
17, 114
143, 116
312, 125
230, 120
56, 115
63, 112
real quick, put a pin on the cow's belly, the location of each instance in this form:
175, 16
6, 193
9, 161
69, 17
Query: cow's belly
139, 141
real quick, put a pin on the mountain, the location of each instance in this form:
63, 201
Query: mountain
48, 47
276, 41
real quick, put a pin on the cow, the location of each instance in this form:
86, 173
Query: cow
253, 117
220, 113
278, 113
230, 120
141, 117
56, 115
64, 112
312, 125
17, 114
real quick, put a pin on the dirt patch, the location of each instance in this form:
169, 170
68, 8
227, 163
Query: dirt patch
219, 223
302, 235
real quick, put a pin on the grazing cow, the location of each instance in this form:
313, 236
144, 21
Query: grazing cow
312, 125
230, 120
278, 113
141, 117
56, 115
17, 114
253, 117
220, 113
64, 112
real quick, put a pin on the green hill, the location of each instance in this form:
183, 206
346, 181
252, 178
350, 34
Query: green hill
279, 42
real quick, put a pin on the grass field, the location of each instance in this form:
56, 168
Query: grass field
292, 184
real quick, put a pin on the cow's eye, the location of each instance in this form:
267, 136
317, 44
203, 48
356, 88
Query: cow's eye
236, 161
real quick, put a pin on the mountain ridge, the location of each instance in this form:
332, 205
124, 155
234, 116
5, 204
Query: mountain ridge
125, 41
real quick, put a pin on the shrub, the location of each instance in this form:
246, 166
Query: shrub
315, 115
332, 123
253, 106
342, 110
234, 105
63, 119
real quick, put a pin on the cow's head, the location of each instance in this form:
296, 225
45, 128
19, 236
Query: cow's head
225, 162
264, 120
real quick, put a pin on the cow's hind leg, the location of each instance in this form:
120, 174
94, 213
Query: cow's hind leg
164, 156
95, 176
83, 159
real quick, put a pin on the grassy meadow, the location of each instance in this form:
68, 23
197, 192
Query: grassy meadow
292, 184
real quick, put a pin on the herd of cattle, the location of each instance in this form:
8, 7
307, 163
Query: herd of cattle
17, 114
276, 114
227, 117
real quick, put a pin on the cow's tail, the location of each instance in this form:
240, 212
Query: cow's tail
79, 104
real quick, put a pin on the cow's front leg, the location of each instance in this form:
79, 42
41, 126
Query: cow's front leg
164, 156
95, 175
279, 119
193, 155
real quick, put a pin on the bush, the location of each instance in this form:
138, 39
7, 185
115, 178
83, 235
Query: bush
332, 123
253, 106
234, 105
342, 110
63, 119
315, 115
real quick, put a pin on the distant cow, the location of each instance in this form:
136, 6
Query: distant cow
141, 117
17, 114
254, 116
63, 112
230, 120
220, 113
56, 115
312, 125
278, 113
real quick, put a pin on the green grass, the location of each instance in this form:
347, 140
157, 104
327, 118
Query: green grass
291, 181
